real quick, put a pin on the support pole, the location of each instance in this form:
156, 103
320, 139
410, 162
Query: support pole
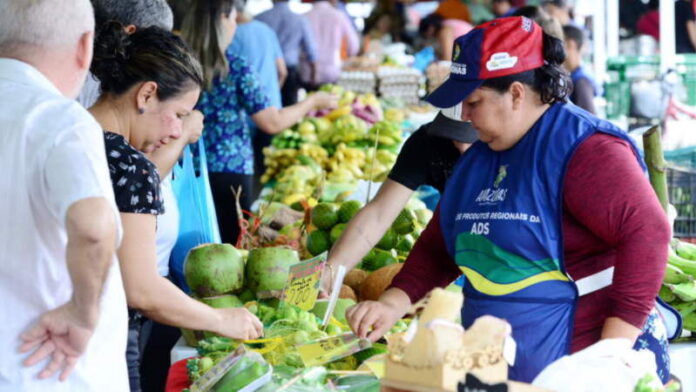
655, 160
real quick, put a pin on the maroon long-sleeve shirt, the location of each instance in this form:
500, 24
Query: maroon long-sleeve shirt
611, 217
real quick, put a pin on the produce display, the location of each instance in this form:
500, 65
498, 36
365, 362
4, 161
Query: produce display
324, 156
222, 276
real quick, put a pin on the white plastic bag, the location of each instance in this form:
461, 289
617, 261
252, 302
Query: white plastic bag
608, 365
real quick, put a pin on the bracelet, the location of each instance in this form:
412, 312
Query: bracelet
331, 276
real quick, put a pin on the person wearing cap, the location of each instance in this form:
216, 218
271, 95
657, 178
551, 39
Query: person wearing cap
549, 215
427, 158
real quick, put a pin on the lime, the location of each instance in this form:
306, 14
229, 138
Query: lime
336, 232
405, 222
379, 260
405, 244
318, 241
388, 241
324, 216
348, 210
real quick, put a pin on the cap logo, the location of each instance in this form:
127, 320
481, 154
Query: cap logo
501, 60
458, 69
457, 50
527, 24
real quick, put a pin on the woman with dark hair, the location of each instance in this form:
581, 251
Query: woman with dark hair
549, 215
232, 93
150, 82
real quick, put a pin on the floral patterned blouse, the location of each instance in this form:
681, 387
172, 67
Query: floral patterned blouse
226, 108
135, 179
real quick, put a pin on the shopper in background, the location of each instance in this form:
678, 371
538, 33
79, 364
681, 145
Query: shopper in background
441, 33
427, 158
559, 9
551, 26
330, 27
685, 27
453, 9
649, 22
537, 244
377, 34
63, 307
584, 86
150, 81
296, 38
502, 8
684, 24
233, 93
259, 44
132, 14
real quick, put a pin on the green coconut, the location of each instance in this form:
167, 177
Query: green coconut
214, 269
222, 301
267, 270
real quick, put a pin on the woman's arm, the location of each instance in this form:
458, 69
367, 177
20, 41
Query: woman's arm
282, 71
429, 265
273, 120
368, 226
162, 301
620, 207
445, 39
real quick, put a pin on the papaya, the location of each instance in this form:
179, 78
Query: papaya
354, 279
375, 284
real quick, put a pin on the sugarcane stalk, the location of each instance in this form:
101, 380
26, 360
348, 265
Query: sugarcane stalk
657, 166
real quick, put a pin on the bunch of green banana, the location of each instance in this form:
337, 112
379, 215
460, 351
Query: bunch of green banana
385, 133
679, 284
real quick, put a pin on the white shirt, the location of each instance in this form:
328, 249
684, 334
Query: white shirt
52, 155
167, 226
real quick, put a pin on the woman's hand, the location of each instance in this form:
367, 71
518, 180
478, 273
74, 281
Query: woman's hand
323, 100
192, 127
372, 319
239, 323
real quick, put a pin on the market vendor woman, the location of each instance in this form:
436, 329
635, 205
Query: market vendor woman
550, 215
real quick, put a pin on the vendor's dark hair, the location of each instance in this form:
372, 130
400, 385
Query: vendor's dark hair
550, 80
150, 54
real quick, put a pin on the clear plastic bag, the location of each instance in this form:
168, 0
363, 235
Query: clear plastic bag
608, 365
247, 373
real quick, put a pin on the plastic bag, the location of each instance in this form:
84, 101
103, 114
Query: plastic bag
248, 374
608, 365
197, 217
311, 379
358, 383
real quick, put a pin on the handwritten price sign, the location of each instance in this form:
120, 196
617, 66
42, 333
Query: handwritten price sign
331, 349
304, 279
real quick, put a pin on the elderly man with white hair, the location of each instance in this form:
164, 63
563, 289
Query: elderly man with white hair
63, 306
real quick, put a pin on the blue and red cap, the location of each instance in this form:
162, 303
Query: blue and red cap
501, 47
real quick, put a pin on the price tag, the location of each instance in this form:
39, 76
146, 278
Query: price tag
304, 279
332, 348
